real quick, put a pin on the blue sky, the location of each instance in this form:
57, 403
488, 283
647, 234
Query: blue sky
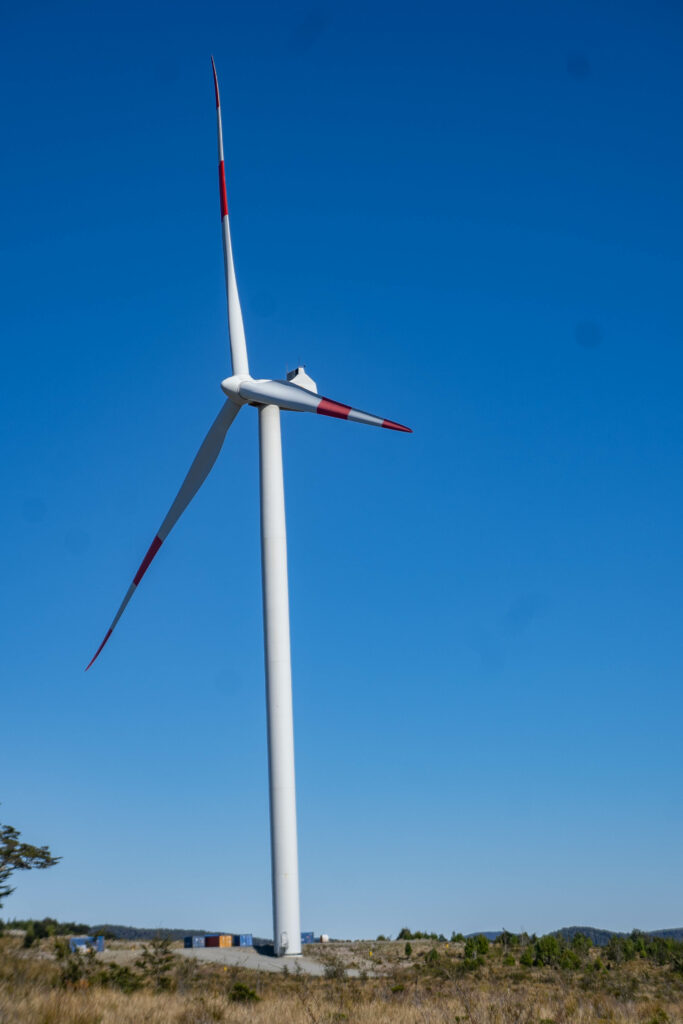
467, 219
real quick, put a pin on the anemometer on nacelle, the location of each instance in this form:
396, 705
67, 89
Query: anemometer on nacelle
300, 377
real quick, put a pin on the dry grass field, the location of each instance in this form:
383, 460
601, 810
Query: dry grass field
433, 985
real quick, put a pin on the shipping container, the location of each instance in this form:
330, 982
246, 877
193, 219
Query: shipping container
211, 940
242, 940
193, 942
225, 940
306, 937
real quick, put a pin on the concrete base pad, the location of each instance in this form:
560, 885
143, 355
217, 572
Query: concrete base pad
249, 956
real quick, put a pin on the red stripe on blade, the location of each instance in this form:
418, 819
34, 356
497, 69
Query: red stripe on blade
328, 408
215, 84
390, 425
221, 186
153, 548
100, 648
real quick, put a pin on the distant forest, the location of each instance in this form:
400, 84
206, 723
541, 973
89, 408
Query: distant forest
49, 926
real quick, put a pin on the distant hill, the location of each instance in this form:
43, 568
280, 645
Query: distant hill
601, 936
598, 936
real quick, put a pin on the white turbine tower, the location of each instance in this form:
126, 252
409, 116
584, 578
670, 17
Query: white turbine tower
297, 393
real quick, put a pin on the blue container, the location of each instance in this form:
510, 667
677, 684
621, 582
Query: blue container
193, 942
306, 937
242, 940
81, 940
99, 943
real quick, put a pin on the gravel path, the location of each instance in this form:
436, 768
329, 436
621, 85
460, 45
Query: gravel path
248, 956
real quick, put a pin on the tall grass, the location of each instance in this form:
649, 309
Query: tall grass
406, 993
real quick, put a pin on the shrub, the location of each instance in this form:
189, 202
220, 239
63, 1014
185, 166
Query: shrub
75, 969
547, 950
507, 939
116, 976
476, 946
581, 943
527, 957
156, 963
241, 993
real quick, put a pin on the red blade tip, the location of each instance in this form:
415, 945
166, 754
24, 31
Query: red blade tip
390, 425
97, 652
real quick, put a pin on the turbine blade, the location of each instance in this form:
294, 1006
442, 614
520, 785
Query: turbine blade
238, 343
290, 396
199, 470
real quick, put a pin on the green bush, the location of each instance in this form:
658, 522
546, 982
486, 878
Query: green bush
581, 943
74, 968
476, 946
507, 939
547, 950
156, 963
241, 993
527, 957
116, 976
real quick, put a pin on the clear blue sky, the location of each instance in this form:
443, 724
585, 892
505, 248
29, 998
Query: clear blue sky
468, 219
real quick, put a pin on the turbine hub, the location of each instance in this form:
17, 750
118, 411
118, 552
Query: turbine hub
231, 387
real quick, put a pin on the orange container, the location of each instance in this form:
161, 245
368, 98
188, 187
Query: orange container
225, 940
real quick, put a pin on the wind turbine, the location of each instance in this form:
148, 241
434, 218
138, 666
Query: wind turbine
298, 393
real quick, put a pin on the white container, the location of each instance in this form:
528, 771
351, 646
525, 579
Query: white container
324, 938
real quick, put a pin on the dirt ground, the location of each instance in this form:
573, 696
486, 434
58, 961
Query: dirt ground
354, 959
